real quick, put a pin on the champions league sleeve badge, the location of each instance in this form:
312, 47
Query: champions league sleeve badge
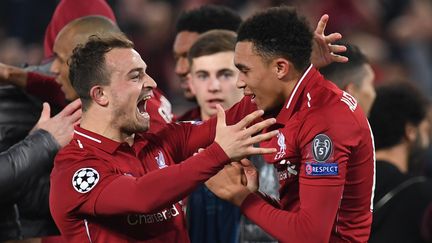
322, 148
85, 179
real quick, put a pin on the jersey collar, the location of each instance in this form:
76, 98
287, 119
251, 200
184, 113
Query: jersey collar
298, 95
87, 137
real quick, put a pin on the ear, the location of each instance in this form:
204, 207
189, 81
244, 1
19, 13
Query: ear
98, 94
410, 132
282, 67
190, 83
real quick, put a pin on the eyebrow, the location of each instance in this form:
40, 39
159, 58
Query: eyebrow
240, 66
201, 71
223, 70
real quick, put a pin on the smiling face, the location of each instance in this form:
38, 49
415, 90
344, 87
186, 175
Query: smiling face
257, 78
213, 81
128, 91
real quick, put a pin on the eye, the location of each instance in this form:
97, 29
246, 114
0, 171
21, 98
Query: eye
201, 76
227, 74
243, 70
137, 76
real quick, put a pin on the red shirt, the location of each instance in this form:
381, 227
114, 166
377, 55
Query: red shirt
105, 191
325, 164
193, 114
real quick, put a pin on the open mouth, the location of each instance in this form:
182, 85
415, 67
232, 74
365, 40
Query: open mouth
141, 106
214, 102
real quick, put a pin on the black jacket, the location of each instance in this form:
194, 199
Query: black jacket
25, 166
400, 218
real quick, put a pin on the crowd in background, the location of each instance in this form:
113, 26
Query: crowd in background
394, 35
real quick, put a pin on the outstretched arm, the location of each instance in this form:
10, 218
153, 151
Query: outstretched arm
13, 75
36, 84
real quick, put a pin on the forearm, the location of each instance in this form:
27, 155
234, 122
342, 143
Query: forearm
45, 88
161, 188
311, 223
25, 158
13, 75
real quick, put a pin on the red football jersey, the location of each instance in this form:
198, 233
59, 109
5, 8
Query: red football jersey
325, 164
99, 192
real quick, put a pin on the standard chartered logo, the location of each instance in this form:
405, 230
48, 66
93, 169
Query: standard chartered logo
136, 219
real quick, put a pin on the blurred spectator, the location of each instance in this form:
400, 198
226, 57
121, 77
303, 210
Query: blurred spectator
189, 25
401, 132
213, 78
68, 10
149, 24
12, 52
355, 77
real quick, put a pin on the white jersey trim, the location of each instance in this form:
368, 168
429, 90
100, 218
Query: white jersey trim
374, 168
297, 85
87, 136
87, 230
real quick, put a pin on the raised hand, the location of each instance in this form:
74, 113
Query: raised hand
323, 52
61, 125
237, 140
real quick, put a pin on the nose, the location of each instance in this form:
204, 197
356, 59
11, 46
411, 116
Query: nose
214, 85
149, 83
182, 66
240, 83
55, 67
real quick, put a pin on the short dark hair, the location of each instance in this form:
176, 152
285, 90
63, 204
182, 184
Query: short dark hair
279, 32
87, 66
208, 17
212, 42
343, 74
396, 105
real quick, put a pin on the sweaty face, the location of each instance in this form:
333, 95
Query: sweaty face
365, 93
213, 81
257, 78
63, 47
129, 90
183, 42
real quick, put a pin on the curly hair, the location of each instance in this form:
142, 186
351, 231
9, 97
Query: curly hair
396, 105
87, 64
208, 17
279, 32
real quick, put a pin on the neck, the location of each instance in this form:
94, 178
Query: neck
101, 124
396, 155
204, 117
289, 83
